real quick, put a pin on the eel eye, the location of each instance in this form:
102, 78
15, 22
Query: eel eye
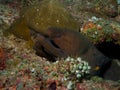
97, 68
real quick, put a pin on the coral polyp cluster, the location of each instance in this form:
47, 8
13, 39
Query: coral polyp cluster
78, 67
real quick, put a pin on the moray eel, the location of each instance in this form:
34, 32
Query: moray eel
61, 43
48, 13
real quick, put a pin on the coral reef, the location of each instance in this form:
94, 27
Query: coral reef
107, 7
104, 34
7, 16
100, 30
26, 71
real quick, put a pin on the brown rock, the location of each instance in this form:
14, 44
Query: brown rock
102, 7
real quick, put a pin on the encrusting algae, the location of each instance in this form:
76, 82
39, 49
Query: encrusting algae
48, 13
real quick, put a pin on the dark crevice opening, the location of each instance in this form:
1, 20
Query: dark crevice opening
109, 49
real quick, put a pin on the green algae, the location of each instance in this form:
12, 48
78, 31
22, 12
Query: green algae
20, 29
48, 13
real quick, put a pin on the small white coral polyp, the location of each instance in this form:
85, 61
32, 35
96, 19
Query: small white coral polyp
78, 67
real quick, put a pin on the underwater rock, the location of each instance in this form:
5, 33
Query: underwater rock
100, 30
82, 10
61, 43
117, 18
47, 13
113, 72
7, 16
104, 34
108, 7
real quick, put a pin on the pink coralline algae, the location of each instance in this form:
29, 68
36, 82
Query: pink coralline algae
2, 59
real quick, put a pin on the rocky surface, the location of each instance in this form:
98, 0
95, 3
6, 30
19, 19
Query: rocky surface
108, 7
25, 70
7, 16
83, 10
21, 69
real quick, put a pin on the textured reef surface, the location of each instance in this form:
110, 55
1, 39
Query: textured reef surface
76, 33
